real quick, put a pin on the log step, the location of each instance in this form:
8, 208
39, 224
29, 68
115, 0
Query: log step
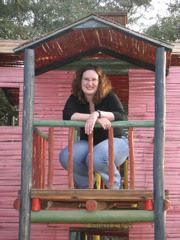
82, 195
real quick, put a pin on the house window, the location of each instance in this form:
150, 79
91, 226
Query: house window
9, 106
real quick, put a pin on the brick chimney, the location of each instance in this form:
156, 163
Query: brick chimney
118, 17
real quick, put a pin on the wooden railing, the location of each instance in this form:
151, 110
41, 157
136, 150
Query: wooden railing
39, 153
39, 160
44, 197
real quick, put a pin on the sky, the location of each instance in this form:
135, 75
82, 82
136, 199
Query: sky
159, 7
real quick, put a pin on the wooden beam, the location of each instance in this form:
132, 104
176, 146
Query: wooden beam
159, 145
104, 229
83, 216
82, 195
69, 123
134, 61
27, 140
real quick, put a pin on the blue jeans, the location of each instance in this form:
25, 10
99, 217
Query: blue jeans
100, 153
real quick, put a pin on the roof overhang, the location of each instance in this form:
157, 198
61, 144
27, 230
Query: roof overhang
92, 35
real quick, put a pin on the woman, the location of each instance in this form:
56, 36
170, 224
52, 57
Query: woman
92, 101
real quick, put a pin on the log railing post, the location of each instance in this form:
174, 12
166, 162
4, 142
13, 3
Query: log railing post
90, 161
50, 157
131, 158
39, 161
111, 157
70, 157
34, 161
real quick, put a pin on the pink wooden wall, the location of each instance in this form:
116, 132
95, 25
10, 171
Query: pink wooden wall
51, 92
10, 159
141, 107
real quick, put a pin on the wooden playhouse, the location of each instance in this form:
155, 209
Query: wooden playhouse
130, 60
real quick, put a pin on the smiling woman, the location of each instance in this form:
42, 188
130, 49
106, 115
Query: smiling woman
93, 101
89, 84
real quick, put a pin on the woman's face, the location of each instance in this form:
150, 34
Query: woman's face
89, 83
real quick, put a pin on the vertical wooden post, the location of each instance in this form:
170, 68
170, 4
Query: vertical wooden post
159, 142
126, 174
111, 157
90, 161
44, 158
70, 157
27, 138
38, 173
34, 161
131, 157
43, 162
50, 157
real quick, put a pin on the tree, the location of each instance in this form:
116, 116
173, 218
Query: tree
29, 19
167, 28
133, 8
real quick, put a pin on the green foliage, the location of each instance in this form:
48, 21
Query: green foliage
8, 111
167, 28
130, 6
29, 19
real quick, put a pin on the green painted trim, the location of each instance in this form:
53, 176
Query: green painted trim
69, 123
107, 71
41, 134
71, 235
83, 216
103, 61
108, 65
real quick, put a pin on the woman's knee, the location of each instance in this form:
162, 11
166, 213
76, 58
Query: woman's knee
100, 156
80, 151
121, 151
63, 158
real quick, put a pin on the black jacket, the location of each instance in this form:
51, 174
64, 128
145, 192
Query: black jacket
110, 103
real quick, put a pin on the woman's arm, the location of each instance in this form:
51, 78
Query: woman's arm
112, 105
80, 116
85, 117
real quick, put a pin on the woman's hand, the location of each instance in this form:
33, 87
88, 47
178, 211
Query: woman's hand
89, 125
105, 123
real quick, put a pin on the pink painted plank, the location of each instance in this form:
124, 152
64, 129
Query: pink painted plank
141, 107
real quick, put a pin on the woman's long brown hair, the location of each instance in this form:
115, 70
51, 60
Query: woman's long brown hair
104, 86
